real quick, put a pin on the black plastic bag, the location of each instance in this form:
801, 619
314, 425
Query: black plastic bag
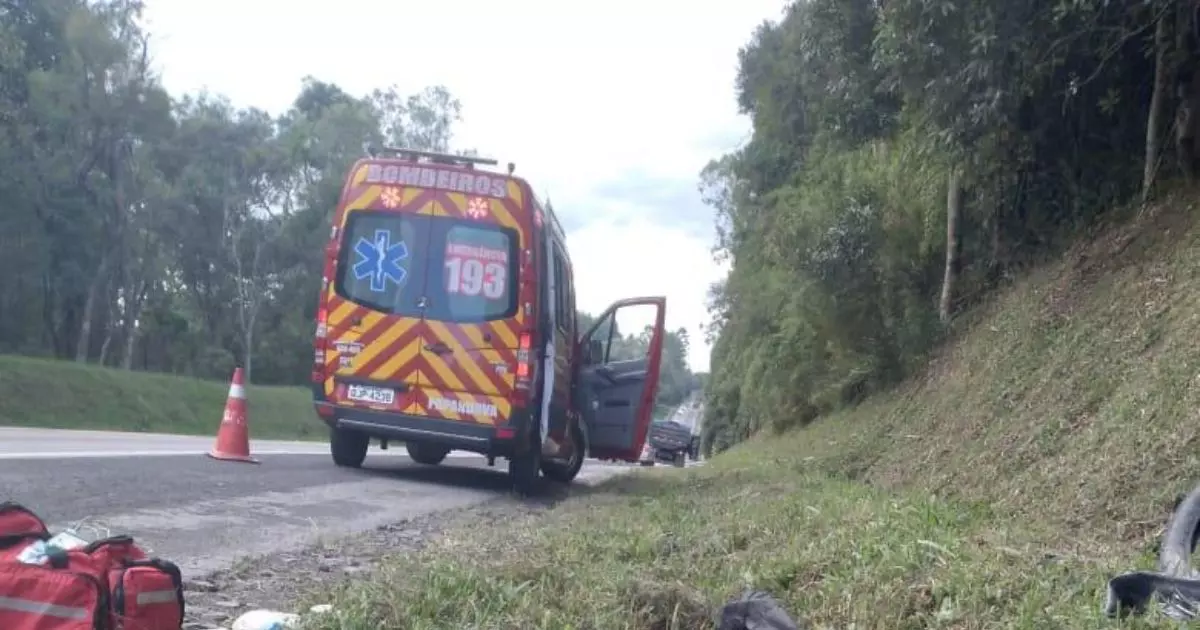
756, 610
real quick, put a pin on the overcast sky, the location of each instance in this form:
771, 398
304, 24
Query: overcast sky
610, 110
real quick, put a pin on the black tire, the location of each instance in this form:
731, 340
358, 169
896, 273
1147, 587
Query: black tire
680, 459
428, 454
1179, 541
524, 470
566, 473
349, 448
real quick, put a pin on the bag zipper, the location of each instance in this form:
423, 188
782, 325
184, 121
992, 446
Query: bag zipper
104, 542
8, 540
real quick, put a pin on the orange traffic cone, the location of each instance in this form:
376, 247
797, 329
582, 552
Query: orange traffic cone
233, 437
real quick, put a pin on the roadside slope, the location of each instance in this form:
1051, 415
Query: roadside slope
65, 395
1038, 455
1072, 400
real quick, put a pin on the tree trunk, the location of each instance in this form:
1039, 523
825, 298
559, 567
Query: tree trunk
953, 209
1187, 86
133, 311
110, 324
1158, 104
83, 345
995, 264
249, 358
130, 346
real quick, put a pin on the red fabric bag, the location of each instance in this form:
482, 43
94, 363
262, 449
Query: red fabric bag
18, 521
146, 595
19, 527
110, 584
143, 593
102, 556
35, 597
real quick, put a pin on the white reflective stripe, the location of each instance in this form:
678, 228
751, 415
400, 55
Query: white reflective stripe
157, 597
42, 608
237, 391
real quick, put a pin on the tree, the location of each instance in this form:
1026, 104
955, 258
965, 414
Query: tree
904, 156
178, 234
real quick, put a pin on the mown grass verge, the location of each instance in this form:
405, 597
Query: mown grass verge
65, 395
666, 548
1039, 455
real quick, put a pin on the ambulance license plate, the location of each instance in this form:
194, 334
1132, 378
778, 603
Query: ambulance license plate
371, 395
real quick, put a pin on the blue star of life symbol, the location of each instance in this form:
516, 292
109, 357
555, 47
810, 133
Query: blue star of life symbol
379, 260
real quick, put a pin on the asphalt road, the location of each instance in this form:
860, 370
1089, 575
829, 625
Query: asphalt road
205, 514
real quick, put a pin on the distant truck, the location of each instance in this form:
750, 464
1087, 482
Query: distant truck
672, 442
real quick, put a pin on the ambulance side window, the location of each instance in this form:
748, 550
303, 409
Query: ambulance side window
560, 290
569, 302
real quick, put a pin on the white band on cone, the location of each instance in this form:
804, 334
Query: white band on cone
237, 391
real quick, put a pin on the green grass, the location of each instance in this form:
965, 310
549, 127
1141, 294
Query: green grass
66, 395
665, 549
1038, 456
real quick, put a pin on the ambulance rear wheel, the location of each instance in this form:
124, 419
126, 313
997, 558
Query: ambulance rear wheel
427, 454
566, 473
349, 448
524, 469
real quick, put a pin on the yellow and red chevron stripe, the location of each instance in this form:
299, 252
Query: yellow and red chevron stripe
387, 343
479, 369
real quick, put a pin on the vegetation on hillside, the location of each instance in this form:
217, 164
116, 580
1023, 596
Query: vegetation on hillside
907, 158
1037, 457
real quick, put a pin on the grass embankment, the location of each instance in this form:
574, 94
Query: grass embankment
1039, 455
65, 395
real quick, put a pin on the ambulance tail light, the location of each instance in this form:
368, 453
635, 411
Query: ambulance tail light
320, 343
322, 322
520, 396
524, 356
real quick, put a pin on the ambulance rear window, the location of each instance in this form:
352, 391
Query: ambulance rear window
465, 270
383, 261
476, 278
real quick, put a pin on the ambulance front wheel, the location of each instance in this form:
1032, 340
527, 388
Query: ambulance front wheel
349, 448
428, 454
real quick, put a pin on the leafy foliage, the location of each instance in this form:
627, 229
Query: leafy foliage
182, 234
168, 234
835, 214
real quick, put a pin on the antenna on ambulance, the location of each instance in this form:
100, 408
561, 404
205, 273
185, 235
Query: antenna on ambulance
416, 155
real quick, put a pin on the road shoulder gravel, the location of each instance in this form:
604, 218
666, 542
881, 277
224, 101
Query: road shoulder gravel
292, 581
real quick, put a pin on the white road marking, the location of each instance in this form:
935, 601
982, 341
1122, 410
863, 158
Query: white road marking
177, 453
18, 443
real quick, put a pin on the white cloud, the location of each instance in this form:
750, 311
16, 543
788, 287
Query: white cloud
591, 101
643, 258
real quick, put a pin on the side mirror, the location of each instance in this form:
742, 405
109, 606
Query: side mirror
595, 351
